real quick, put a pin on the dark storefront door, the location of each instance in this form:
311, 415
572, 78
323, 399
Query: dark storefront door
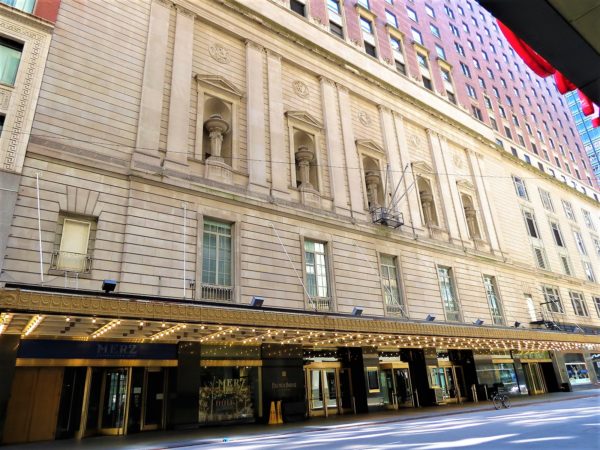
154, 399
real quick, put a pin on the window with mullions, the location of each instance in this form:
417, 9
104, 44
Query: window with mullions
491, 292
546, 200
579, 242
216, 261
448, 293
23, 5
315, 268
531, 224
558, 237
552, 299
597, 304
520, 187
578, 303
334, 6
391, 291
10, 57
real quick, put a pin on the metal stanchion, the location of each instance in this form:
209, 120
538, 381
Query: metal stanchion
416, 399
474, 393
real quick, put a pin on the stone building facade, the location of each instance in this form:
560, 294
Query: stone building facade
256, 187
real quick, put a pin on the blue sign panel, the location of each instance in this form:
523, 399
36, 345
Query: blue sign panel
94, 350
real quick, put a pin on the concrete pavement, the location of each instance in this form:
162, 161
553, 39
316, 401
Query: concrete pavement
227, 435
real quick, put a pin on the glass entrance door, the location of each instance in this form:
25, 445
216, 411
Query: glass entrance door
329, 390
535, 378
331, 385
403, 387
114, 399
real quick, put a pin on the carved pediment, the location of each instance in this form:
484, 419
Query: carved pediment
465, 185
422, 167
219, 83
304, 118
370, 145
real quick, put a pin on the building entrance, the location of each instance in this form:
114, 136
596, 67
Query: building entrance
449, 384
396, 385
329, 389
535, 378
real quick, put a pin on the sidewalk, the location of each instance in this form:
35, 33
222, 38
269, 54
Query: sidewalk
156, 440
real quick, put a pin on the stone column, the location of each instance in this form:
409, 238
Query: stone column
255, 95
352, 163
146, 156
181, 90
280, 163
487, 213
457, 227
335, 150
411, 199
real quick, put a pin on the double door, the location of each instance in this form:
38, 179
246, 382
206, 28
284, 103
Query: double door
449, 383
535, 378
329, 389
396, 385
123, 400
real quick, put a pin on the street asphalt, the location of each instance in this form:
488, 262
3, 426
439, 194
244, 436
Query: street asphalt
569, 421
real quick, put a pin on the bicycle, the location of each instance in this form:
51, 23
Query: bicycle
500, 399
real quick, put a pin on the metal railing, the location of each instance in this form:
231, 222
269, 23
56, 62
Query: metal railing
217, 293
71, 262
320, 303
396, 309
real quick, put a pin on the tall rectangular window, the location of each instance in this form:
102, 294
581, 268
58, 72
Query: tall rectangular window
564, 259
448, 293
597, 304
589, 272
10, 57
416, 35
579, 242
546, 200
531, 224
568, 210
491, 292
72, 255
579, 305
587, 219
558, 237
520, 187
552, 299
391, 19
315, 269
540, 257
391, 290
216, 261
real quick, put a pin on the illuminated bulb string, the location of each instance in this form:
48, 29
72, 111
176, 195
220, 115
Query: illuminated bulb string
32, 324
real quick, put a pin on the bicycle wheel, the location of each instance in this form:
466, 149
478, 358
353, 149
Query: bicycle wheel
497, 401
505, 401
